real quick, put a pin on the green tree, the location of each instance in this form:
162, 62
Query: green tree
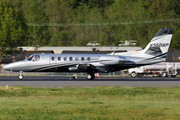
59, 12
12, 29
122, 12
34, 12
93, 12
164, 9
89, 32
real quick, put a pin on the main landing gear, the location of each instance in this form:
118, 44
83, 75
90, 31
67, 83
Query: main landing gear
90, 76
90, 73
21, 75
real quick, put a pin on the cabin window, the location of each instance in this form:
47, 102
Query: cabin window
88, 58
76, 58
30, 58
37, 57
65, 58
52, 58
70, 58
59, 58
82, 58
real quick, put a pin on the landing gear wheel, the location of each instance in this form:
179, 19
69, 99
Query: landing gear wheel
21, 77
133, 74
74, 76
90, 76
164, 74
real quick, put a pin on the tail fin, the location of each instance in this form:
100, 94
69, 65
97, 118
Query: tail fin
160, 43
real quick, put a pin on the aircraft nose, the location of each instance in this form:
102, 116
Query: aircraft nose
12, 66
9, 66
6, 67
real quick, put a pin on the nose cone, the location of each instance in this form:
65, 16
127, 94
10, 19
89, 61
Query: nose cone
7, 67
11, 66
15, 66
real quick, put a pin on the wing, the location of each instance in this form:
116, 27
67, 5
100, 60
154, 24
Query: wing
101, 65
112, 60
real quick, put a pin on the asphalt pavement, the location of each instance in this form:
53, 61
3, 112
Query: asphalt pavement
59, 81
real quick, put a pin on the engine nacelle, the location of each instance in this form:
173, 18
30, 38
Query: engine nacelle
111, 59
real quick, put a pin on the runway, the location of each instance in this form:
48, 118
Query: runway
59, 81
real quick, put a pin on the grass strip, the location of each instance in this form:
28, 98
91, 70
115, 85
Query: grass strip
91, 103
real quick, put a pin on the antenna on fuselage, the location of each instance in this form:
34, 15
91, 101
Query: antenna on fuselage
114, 51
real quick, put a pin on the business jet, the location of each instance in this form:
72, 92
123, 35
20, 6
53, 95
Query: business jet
154, 52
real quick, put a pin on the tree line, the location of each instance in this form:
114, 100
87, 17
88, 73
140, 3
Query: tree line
76, 22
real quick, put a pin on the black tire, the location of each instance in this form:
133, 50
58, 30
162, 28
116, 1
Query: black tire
90, 76
173, 75
74, 77
163, 74
21, 77
133, 75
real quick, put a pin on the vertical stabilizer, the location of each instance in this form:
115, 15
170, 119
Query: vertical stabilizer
159, 45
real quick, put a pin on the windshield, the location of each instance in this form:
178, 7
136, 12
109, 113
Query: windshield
33, 58
30, 58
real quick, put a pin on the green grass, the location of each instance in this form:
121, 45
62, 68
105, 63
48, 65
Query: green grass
91, 103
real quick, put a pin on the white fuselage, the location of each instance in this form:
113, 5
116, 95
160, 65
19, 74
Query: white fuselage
64, 62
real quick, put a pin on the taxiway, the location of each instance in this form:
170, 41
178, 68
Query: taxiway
59, 81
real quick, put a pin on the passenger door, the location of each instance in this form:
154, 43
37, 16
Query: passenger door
52, 63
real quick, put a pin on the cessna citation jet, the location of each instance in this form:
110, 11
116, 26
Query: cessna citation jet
154, 52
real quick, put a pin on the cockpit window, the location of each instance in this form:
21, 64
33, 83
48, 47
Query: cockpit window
33, 58
37, 57
30, 58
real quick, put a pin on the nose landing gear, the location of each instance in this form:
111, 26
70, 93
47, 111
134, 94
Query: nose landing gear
21, 75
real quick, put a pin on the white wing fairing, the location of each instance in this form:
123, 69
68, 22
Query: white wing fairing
154, 52
111, 59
